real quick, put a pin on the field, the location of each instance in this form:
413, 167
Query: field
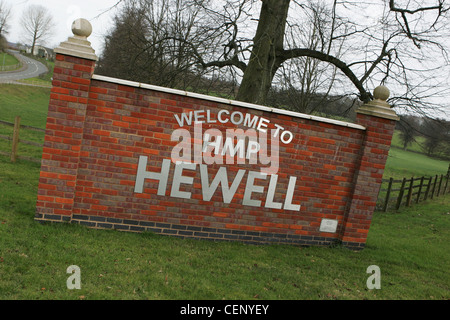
410, 246
30, 103
412, 163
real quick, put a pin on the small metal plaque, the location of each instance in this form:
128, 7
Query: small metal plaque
328, 225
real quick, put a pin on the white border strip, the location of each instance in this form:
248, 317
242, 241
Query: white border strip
226, 101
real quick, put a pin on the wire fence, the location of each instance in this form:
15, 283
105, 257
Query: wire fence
10, 67
15, 140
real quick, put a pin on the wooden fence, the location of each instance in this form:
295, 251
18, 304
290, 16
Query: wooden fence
414, 190
15, 138
28, 82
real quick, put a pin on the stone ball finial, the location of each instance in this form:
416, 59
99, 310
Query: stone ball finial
381, 93
82, 27
379, 107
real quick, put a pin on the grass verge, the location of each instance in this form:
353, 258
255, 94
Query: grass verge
401, 163
30, 103
7, 60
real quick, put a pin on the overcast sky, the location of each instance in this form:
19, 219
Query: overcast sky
64, 12
99, 12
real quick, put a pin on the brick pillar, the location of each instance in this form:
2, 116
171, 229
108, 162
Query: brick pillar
74, 66
379, 120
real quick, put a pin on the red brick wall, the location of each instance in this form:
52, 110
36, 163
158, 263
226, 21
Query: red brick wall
64, 135
374, 153
97, 129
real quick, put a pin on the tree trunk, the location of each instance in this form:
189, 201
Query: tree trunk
264, 62
34, 41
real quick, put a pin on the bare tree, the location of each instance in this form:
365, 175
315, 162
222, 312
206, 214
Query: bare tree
409, 129
307, 81
158, 42
357, 45
5, 14
37, 24
400, 44
436, 133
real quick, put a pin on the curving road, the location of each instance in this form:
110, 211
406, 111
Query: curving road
31, 68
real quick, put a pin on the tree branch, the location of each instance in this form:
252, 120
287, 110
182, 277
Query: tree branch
284, 55
403, 11
235, 62
438, 7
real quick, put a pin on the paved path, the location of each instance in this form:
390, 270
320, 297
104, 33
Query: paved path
31, 68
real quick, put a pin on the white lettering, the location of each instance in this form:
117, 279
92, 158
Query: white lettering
251, 188
233, 120
229, 142
264, 157
184, 117
253, 148
197, 310
178, 179
291, 136
211, 149
216, 144
221, 177
237, 118
143, 174
219, 116
198, 116
374, 281
182, 151
209, 189
236, 309
289, 196
74, 281
250, 123
263, 123
271, 193
278, 130
208, 117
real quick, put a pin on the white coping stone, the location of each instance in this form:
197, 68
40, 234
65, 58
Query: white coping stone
78, 45
226, 101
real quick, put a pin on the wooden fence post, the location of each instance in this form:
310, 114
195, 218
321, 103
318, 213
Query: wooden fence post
428, 188
434, 186
388, 194
440, 183
446, 184
408, 200
420, 189
15, 141
400, 195
448, 177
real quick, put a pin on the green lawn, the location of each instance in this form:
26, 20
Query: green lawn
7, 60
408, 164
30, 103
413, 161
411, 248
415, 146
